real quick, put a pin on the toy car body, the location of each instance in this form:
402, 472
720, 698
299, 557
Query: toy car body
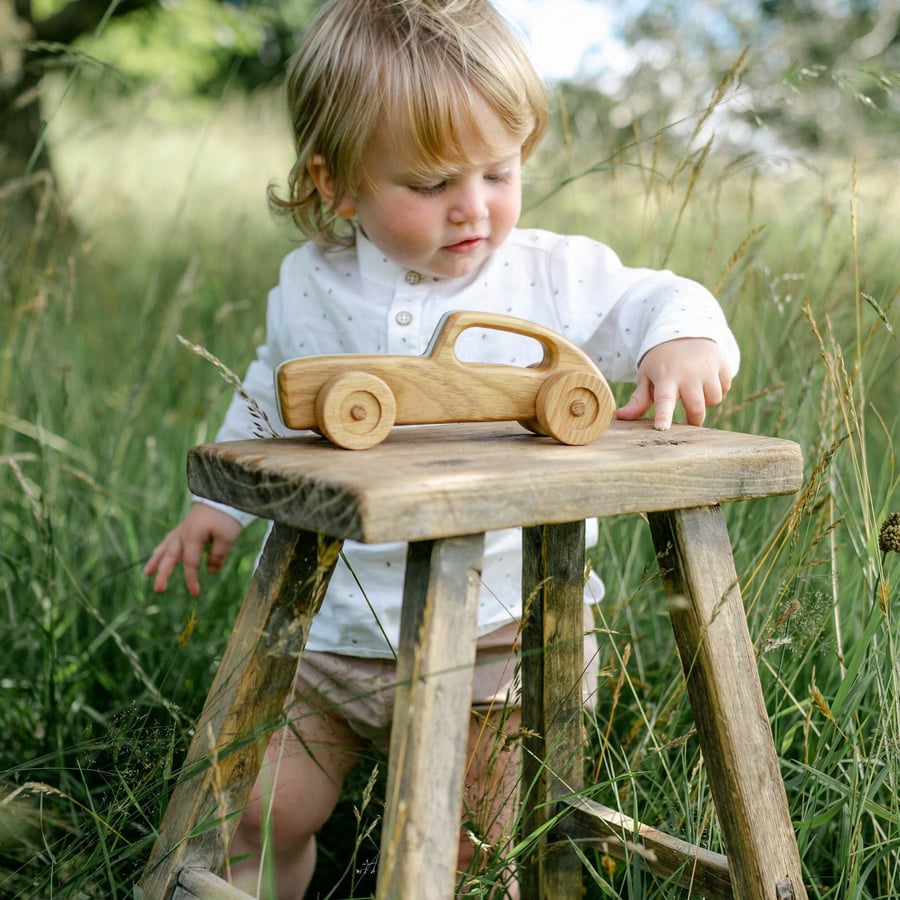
355, 400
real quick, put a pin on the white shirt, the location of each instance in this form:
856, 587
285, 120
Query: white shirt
358, 301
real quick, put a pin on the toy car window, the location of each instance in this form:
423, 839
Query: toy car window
487, 345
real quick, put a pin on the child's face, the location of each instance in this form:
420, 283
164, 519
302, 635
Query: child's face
446, 227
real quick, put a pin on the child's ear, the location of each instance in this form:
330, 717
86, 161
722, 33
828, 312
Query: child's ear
321, 178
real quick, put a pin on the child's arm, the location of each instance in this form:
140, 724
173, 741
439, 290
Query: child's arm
202, 526
694, 370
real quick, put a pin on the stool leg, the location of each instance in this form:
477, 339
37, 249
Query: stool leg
438, 628
723, 684
552, 714
247, 693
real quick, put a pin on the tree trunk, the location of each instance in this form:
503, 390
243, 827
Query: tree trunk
26, 173
23, 164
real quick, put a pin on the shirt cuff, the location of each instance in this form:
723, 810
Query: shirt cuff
243, 518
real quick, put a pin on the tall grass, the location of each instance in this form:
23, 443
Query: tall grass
99, 403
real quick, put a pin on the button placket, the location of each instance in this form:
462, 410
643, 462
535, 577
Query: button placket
406, 314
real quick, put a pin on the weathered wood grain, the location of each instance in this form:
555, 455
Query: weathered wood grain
420, 835
591, 824
440, 488
552, 713
200, 884
247, 694
725, 693
429, 482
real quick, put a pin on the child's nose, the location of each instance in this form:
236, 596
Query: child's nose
469, 204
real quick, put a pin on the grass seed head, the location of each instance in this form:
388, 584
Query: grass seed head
889, 536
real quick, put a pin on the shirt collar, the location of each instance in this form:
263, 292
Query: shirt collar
374, 265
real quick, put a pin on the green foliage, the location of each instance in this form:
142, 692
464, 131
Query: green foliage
201, 46
818, 74
99, 403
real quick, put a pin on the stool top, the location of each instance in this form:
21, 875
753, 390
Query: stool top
439, 481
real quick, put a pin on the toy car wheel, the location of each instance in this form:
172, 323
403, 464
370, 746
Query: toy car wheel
355, 410
533, 426
574, 407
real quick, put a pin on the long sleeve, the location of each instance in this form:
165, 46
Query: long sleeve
257, 418
616, 313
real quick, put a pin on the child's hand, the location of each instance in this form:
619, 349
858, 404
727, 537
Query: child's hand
186, 542
693, 370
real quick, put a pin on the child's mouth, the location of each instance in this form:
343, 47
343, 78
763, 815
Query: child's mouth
466, 246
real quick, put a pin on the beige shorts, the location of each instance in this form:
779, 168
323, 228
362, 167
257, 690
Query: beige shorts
360, 692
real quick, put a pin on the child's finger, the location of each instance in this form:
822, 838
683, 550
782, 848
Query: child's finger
153, 561
161, 563
218, 550
163, 570
665, 397
664, 411
192, 580
715, 391
161, 582
157, 555
190, 563
694, 402
639, 402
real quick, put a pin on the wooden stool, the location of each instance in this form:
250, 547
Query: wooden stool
440, 488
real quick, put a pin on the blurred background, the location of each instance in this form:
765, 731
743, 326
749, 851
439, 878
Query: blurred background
818, 81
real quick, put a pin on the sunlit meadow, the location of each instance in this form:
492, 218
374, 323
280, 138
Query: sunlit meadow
164, 231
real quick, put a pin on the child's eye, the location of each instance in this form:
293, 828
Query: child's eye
495, 177
429, 189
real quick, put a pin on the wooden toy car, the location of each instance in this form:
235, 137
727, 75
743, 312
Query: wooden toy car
355, 400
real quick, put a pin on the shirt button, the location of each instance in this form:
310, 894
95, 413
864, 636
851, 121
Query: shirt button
403, 317
413, 277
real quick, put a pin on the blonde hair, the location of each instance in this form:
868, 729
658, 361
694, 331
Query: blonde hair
419, 65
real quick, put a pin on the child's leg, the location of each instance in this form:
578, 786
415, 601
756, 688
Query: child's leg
490, 796
308, 767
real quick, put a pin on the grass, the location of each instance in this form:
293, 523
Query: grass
99, 403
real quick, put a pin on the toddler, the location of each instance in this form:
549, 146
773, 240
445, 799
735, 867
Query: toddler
412, 120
